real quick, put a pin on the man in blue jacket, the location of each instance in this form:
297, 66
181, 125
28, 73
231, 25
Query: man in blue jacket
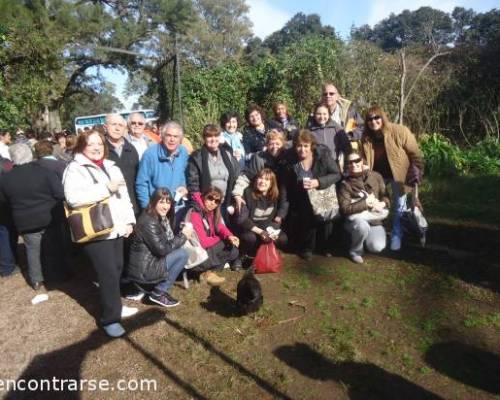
163, 165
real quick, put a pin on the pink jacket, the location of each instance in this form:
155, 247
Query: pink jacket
200, 225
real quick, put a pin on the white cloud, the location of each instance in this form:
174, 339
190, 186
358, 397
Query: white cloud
380, 9
266, 18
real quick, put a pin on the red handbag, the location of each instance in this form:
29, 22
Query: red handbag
268, 259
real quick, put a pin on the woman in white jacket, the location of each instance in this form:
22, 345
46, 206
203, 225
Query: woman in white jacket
90, 178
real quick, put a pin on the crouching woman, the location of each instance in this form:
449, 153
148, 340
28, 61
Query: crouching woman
219, 242
266, 207
156, 254
363, 202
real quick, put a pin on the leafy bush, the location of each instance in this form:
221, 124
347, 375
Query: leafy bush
444, 158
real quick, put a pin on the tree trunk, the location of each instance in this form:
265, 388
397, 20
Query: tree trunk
402, 83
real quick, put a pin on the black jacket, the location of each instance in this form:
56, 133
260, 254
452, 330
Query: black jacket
55, 165
34, 194
148, 249
324, 169
254, 140
128, 163
198, 175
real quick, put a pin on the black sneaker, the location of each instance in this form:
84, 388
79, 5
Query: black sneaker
164, 300
306, 255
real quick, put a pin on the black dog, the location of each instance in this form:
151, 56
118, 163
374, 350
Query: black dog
249, 297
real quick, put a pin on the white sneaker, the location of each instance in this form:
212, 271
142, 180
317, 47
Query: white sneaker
135, 296
395, 243
129, 311
357, 259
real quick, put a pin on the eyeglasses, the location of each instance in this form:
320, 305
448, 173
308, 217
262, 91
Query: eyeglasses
373, 117
216, 200
136, 123
329, 93
355, 161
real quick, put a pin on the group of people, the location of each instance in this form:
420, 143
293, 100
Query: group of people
237, 191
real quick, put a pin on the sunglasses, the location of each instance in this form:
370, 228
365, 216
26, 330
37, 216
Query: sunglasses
216, 200
374, 117
137, 123
355, 161
329, 94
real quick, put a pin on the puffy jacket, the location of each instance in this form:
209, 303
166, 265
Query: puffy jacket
80, 189
254, 140
351, 199
333, 137
159, 169
401, 148
149, 248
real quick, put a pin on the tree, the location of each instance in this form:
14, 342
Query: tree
297, 28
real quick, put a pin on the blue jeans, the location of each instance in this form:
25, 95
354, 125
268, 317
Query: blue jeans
7, 262
33, 243
398, 206
174, 264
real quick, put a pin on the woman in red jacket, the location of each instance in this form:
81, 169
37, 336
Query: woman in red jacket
219, 242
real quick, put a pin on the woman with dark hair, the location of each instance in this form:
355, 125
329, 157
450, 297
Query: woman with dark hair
212, 165
59, 150
156, 254
88, 179
311, 166
329, 133
254, 133
284, 121
264, 209
392, 151
231, 136
215, 237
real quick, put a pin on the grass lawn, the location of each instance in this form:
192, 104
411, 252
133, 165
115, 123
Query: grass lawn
423, 323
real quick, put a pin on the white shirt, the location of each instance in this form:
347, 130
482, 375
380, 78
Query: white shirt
4, 150
141, 145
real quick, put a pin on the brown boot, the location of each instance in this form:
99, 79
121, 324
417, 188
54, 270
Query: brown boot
212, 278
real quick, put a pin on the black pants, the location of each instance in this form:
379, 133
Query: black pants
313, 234
106, 257
218, 255
250, 242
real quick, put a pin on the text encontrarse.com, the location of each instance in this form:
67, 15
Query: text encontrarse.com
60, 385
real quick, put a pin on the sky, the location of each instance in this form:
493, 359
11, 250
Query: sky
268, 16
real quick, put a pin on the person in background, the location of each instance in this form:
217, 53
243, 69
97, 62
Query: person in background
122, 153
254, 133
163, 165
60, 147
5, 140
34, 194
156, 254
329, 133
362, 190
284, 121
273, 158
213, 165
90, 178
7, 260
214, 236
343, 113
136, 133
392, 151
44, 151
231, 136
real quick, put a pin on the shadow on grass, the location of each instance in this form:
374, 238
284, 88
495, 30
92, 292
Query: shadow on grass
364, 381
66, 363
467, 364
220, 303
240, 369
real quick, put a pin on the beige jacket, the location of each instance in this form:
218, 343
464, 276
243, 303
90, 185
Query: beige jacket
402, 149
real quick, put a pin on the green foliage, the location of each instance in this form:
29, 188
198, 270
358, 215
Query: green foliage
443, 158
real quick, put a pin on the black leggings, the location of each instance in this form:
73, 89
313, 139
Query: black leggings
106, 257
250, 242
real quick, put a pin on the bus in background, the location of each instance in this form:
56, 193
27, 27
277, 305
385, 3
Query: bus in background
88, 121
